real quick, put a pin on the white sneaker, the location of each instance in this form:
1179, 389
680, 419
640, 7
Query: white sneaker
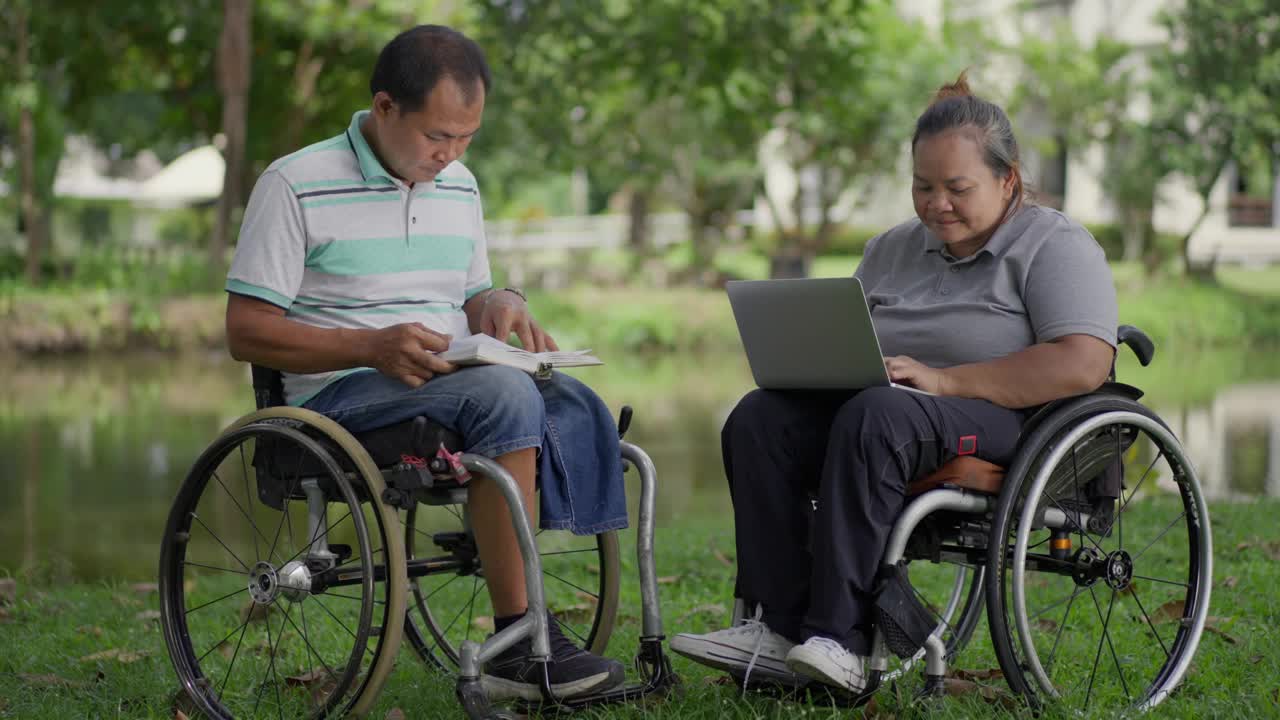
827, 661
745, 650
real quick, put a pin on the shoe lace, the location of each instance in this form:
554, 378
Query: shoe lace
834, 650
753, 625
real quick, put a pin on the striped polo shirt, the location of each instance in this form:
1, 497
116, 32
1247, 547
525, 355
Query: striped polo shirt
337, 242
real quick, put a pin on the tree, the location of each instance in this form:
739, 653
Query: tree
1215, 90
234, 65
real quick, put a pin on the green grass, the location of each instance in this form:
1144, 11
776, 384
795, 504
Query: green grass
62, 632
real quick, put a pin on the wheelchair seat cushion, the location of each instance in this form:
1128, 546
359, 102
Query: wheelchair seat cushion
965, 471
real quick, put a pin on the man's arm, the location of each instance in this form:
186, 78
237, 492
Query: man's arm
258, 332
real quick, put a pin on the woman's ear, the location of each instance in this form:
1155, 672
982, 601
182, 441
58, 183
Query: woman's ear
1011, 182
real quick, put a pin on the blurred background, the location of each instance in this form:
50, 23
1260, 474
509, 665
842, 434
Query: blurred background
635, 155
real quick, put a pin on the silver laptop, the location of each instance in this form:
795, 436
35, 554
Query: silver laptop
808, 334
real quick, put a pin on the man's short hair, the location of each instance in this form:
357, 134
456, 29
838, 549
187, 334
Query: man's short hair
409, 67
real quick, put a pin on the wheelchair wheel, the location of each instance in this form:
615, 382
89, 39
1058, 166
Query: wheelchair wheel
257, 618
1101, 560
954, 595
449, 603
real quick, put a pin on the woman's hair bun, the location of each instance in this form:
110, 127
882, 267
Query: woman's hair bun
959, 88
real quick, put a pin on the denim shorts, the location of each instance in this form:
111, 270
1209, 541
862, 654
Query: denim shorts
499, 410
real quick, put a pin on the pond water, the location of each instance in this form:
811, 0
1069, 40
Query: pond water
92, 449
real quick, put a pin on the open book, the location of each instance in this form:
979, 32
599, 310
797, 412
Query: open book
484, 350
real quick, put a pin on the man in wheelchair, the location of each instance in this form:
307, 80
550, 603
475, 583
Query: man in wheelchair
991, 303
359, 258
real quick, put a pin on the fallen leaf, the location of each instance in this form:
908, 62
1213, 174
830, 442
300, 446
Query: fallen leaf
1229, 582
1222, 634
959, 688
1275, 696
668, 579
1047, 625
593, 569
188, 585
1172, 610
988, 674
145, 588
148, 615
126, 601
307, 678
8, 591
711, 609
1255, 659
93, 630
483, 622
872, 710
395, 714
578, 612
720, 557
4, 615
51, 680
226, 650
1244, 546
720, 680
118, 654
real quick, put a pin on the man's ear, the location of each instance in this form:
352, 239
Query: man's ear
383, 105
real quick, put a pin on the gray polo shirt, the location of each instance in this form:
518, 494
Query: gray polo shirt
1041, 276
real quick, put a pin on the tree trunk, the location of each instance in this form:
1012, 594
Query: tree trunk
233, 83
28, 200
638, 227
306, 70
1135, 227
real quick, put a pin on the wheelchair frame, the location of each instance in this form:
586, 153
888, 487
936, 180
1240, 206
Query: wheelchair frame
386, 489
1051, 433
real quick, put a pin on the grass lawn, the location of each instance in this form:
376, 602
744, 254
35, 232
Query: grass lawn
96, 650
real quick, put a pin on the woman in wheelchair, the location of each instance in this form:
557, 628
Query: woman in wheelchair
992, 304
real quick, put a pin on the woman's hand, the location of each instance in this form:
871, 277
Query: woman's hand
908, 371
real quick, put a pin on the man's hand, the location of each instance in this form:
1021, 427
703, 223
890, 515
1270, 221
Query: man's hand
504, 313
908, 371
407, 351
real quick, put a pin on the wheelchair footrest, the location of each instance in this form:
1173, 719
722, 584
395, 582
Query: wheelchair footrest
905, 621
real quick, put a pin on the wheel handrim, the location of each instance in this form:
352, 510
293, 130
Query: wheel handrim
1118, 569
301, 659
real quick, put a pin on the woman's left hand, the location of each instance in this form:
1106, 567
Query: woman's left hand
908, 371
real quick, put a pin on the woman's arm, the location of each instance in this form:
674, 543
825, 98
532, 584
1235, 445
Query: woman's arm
1069, 365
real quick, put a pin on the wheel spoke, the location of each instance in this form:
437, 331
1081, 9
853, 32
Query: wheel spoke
1097, 656
248, 500
235, 654
311, 650
335, 617
212, 567
1166, 582
1075, 522
288, 492
376, 601
257, 553
1111, 645
1162, 534
1062, 626
566, 626
315, 537
1134, 591
572, 585
433, 592
471, 605
188, 612
567, 552
217, 539
225, 638
454, 621
1134, 493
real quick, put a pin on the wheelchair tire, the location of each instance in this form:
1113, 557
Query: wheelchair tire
448, 602
256, 623
1140, 616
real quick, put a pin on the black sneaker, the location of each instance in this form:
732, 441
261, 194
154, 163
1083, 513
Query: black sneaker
573, 671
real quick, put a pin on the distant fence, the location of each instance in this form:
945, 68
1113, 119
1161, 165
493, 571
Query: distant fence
586, 231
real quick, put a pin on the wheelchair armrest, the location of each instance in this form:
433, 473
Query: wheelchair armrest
1138, 342
268, 387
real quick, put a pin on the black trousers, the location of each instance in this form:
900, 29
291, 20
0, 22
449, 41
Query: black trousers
811, 570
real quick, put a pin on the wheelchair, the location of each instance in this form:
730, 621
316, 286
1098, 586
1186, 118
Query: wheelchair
297, 556
1083, 611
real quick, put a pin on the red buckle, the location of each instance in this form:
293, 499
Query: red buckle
460, 473
968, 445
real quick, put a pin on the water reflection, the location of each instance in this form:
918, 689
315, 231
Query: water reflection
94, 449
